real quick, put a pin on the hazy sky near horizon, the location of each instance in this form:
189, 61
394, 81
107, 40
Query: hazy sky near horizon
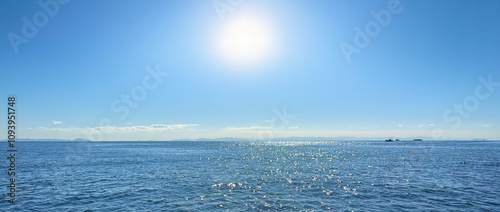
162, 70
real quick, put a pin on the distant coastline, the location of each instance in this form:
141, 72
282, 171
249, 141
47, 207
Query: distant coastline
409, 139
49, 140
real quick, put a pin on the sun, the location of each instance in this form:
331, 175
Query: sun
245, 39
244, 42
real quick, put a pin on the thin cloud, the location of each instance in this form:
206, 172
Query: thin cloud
293, 127
247, 128
131, 129
57, 122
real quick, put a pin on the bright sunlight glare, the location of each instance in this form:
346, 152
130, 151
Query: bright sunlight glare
245, 40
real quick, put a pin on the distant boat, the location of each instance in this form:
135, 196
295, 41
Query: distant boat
417, 139
397, 139
389, 140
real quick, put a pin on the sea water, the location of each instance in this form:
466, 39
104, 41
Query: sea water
255, 176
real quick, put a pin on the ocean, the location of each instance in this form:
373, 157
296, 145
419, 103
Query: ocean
255, 176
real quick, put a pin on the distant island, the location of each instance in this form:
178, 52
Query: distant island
81, 140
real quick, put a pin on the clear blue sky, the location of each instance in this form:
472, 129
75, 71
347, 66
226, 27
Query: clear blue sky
428, 57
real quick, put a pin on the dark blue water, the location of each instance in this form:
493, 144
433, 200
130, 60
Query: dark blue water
255, 176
